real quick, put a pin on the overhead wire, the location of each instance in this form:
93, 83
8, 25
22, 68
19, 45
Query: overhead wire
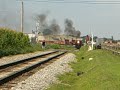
84, 2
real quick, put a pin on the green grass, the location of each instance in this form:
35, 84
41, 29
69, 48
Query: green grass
101, 73
62, 47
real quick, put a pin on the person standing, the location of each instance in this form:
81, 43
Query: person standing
43, 44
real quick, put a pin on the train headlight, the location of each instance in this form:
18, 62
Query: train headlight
78, 41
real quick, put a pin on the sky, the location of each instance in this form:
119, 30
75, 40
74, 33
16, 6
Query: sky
103, 20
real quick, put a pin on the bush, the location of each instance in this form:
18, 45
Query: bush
12, 42
13, 39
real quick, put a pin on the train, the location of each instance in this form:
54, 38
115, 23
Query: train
58, 39
76, 43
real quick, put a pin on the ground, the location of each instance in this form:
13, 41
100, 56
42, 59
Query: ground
100, 73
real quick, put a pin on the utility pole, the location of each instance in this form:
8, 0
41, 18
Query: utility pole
92, 41
22, 15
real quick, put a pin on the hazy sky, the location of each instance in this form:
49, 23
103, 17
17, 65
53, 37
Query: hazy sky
102, 19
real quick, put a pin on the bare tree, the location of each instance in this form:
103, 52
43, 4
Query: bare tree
41, 21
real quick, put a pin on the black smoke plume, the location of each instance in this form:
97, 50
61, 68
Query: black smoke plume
70, 30
42, 27
41, 18
55, 28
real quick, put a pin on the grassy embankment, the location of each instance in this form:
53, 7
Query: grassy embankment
101, 73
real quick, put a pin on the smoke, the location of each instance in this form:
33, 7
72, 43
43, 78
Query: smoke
77, 34
41, 24
55, 28
41, 18
44, 28
70, 29
69, 23
52, 29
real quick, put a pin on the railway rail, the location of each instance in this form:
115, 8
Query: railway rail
10, 71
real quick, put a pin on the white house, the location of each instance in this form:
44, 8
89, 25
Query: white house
32, 37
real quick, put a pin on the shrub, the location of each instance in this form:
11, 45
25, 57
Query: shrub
12, 42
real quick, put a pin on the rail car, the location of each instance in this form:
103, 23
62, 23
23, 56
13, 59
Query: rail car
76, 43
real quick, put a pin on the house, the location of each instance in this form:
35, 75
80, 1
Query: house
32, 37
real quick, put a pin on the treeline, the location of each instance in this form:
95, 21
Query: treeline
12, 42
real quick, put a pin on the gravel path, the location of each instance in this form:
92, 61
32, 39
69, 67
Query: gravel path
12, 58
46, 76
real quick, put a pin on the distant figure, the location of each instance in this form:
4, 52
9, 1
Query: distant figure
43, 44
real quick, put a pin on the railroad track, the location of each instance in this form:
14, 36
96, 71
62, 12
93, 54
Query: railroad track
10, 71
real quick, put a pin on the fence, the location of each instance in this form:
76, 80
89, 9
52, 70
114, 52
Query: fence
115, 48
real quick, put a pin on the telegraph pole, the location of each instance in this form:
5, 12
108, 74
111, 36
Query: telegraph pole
92, 41
22, 15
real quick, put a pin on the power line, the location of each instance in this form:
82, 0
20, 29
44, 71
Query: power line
84, 2
72, 1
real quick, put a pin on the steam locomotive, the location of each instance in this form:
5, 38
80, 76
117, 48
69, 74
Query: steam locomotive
78, 44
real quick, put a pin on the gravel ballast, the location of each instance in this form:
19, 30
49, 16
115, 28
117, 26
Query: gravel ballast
12, 58
47, 76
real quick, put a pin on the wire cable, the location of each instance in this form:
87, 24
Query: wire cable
64, 1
